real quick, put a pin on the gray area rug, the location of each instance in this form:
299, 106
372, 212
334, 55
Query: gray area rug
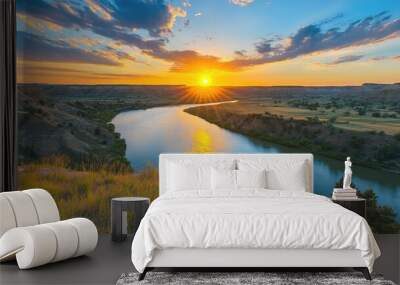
233, 278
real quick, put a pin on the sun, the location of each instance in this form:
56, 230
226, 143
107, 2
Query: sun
205, 81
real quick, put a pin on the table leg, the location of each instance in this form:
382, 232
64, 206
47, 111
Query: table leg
124, 224
116, 221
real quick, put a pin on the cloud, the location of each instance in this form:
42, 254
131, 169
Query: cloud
36, 48
116, 21
156, 16
174, 13
120, 55
186, 4
379, 58
98, 10
56, 73
241, 53
37, 24
119, 20
307, 40
331, 19
265, 46
345, 59
312, 39
198, 14
83, 41
241, 2
186, 23
190, 61
383, 57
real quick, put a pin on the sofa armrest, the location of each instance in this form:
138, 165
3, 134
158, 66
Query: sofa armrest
32, 246
40, 244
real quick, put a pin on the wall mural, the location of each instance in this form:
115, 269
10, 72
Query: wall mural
104, 86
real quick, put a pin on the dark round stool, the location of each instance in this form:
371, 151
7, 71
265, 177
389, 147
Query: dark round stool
119, 215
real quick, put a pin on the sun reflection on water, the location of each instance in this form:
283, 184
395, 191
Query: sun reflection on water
202, 142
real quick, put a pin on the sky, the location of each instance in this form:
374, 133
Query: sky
208, 42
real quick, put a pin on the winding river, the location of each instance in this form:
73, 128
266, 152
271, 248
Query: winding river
169, 129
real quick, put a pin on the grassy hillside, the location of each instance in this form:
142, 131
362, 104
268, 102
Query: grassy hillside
87, 193
48, 127
371, 107
345, 117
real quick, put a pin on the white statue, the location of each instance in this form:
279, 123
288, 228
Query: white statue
347, 174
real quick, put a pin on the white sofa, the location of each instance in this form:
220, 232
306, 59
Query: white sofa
31, 230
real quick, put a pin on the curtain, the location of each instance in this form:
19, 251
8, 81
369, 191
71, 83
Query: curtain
8, 102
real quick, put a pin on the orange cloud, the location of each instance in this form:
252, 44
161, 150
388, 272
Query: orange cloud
79, 41
42, 73
174, 12
192, 61
98, 10
37, 24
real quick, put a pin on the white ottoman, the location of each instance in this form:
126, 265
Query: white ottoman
31, 232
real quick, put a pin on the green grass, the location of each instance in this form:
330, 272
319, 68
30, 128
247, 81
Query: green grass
88, 192
346, 118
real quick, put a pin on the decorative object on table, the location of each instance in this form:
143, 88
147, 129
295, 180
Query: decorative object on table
347, 174
248, 278
32, 233
344, 194
119, 215
357, 205
347, 192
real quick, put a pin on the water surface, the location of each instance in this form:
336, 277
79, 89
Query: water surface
169, 129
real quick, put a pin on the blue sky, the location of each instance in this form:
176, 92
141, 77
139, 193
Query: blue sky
243, 42
234, 26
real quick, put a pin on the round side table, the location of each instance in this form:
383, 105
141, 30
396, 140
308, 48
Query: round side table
119, 215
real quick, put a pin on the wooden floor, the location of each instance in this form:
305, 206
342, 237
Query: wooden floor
110, 260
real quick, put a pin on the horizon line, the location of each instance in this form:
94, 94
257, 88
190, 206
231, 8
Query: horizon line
214, 86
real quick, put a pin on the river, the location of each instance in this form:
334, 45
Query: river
169, 129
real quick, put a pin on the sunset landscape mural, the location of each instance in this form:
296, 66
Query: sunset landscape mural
105, 86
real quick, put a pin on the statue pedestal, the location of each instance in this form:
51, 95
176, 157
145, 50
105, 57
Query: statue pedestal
344, 194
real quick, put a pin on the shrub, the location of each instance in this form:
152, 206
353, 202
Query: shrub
332, 120
381, 219
361, 112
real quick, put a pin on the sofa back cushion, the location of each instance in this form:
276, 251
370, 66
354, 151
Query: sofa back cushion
26, 208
